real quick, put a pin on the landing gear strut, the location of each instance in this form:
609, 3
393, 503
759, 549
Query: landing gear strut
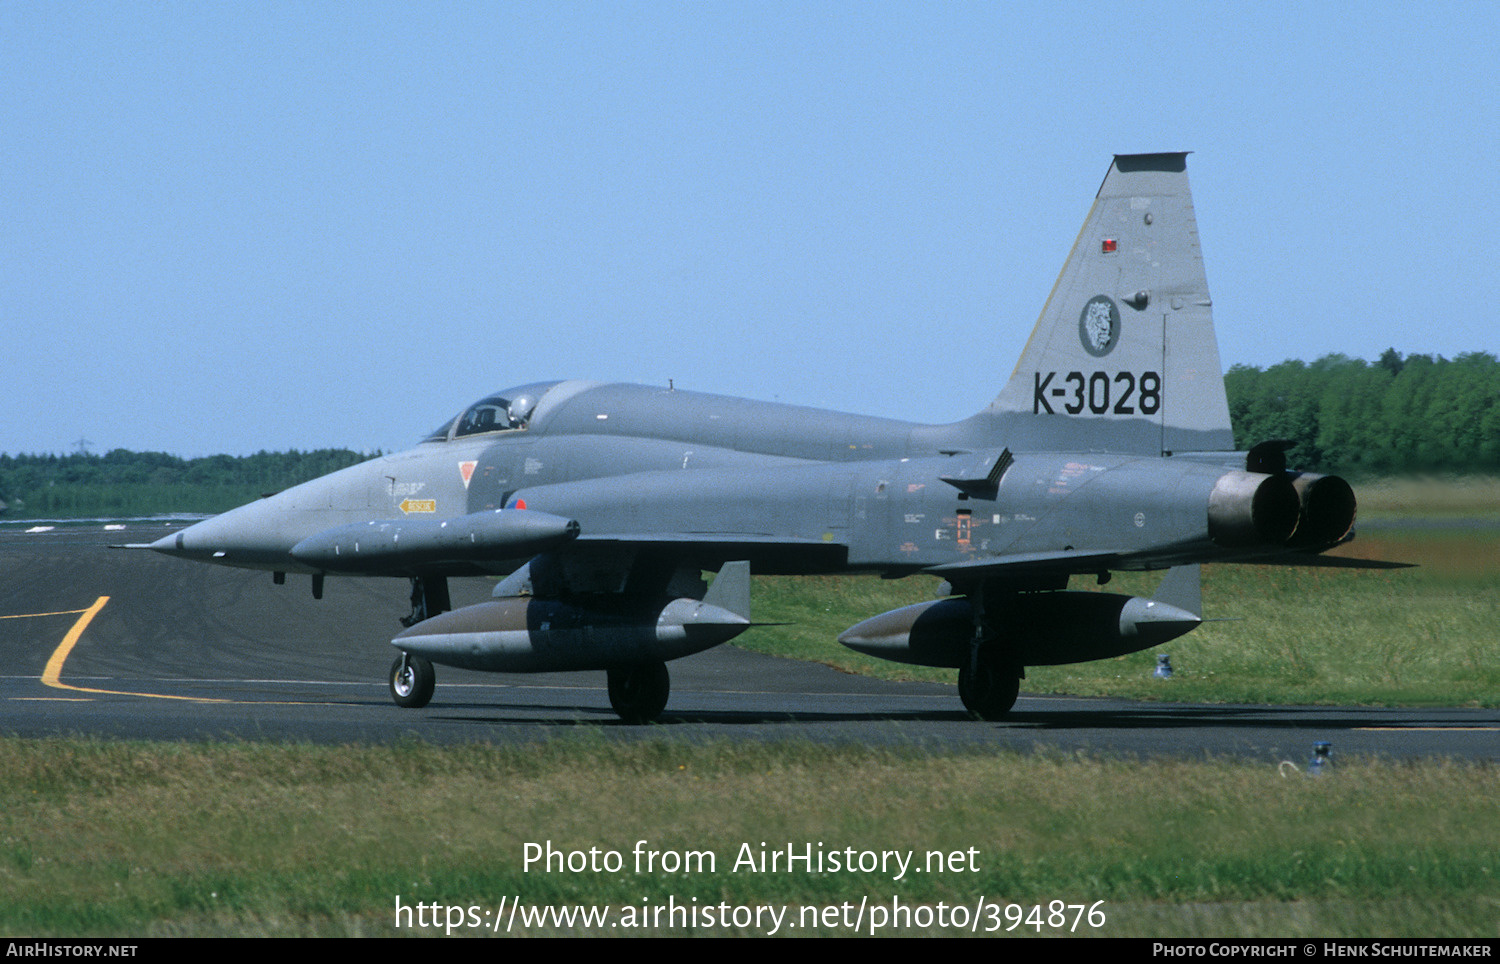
988, 684
412, 677
429, 597
639, 693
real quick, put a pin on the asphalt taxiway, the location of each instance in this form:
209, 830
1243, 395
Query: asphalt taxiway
127, 643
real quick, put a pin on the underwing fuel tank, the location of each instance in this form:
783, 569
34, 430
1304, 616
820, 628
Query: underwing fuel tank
1038, 629
383, 545
526, 635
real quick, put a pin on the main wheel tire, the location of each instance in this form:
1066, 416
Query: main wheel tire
639, 693
988, 693
412, 682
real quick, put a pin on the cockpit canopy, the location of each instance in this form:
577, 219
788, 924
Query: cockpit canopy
506, 411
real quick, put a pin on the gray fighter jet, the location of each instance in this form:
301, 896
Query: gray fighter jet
1108, 449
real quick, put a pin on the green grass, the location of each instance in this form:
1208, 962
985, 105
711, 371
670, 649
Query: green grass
1429, 497
114, 838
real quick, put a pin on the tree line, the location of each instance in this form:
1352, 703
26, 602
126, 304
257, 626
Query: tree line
122, 482
1416, 413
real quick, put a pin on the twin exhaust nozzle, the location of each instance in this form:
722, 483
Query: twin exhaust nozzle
1296, 510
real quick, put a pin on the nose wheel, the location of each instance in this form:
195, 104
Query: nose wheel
412, 681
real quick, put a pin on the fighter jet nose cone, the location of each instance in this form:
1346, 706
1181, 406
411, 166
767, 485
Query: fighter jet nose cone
189, 543
254, 536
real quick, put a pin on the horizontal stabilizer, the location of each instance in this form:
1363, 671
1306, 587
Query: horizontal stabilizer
978, 474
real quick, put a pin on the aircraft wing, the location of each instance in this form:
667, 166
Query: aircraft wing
705, 538
767, 554
1038, 569
1040, 565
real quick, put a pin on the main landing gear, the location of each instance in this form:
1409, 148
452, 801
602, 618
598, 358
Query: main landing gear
987, 689
639, 693
988, 683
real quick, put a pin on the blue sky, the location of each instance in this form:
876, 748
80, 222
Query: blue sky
231, 227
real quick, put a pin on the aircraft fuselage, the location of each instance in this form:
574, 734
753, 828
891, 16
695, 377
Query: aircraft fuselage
843, 492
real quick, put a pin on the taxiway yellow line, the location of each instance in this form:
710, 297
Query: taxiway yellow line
52, 675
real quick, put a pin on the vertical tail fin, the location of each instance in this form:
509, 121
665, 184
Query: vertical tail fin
1124, 357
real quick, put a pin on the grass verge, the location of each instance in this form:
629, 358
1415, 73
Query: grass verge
109, 838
